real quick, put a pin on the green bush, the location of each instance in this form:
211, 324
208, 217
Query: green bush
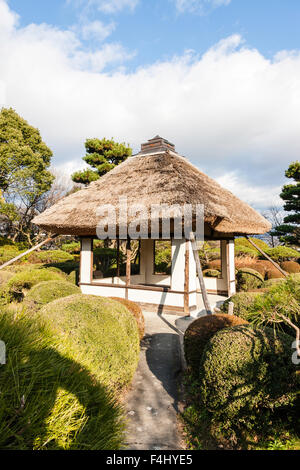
47, 291
25, 280
244, 370
73, 277
7, 253
248, 279
72, 247
282, 253
271, 282
136, 311
66, 268
50, 256
200, 331
212, 273
244, 242
49, 401
100, 333
243, 302
281, 298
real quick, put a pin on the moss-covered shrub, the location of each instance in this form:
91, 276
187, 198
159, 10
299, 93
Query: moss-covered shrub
66, 268
244, 369
136, 310
48, 400
291, 267
243, 302
8, 252
211, 273
100, 333
25, 280
200, 331
72, 247
47, 291
50, 256
248, 279
282, 253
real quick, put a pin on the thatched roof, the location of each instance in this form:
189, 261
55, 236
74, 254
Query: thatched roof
154, 176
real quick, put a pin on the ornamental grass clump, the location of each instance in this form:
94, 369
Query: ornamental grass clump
48, 400
99, 333
248, 279
200, 331
47, 291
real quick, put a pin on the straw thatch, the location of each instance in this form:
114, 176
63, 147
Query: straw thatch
156, 178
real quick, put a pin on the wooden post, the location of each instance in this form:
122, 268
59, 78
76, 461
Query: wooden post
118, 257
266, 256
200, 275
230, 267
128, 266
187, 278
8, 263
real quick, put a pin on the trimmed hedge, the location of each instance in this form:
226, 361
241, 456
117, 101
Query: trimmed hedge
291, 267
50, 256
282, 253
100, 334
211, 273
27, 279
47, 291
248, 279
136, 311
245, 369
200, 331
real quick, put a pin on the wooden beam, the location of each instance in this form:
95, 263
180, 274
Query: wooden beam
187, 278
8, 263
118, 257
266, 256
200, 275
128, 266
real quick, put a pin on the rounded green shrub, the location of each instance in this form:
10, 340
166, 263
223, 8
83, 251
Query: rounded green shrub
73, 277
100, 333
48, 400
248, 279
271, 282
211, 273
50, 256
282, 253
136, 311
47, 291
243, 302
25, 280
244, 369
200, 331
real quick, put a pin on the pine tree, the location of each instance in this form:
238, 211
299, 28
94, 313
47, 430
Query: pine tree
102, 155
289, 232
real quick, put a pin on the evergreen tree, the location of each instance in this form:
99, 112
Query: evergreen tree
102, 155
24, 174
289, 231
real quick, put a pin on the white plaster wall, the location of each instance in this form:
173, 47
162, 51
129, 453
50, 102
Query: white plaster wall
86, 260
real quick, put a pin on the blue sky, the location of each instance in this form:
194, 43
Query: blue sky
219, 78
156, 30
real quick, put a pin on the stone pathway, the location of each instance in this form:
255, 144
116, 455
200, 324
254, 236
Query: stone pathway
152, 404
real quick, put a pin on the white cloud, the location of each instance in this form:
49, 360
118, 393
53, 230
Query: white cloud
199, 6
106, 6
96, 30
230, 111
258, 196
